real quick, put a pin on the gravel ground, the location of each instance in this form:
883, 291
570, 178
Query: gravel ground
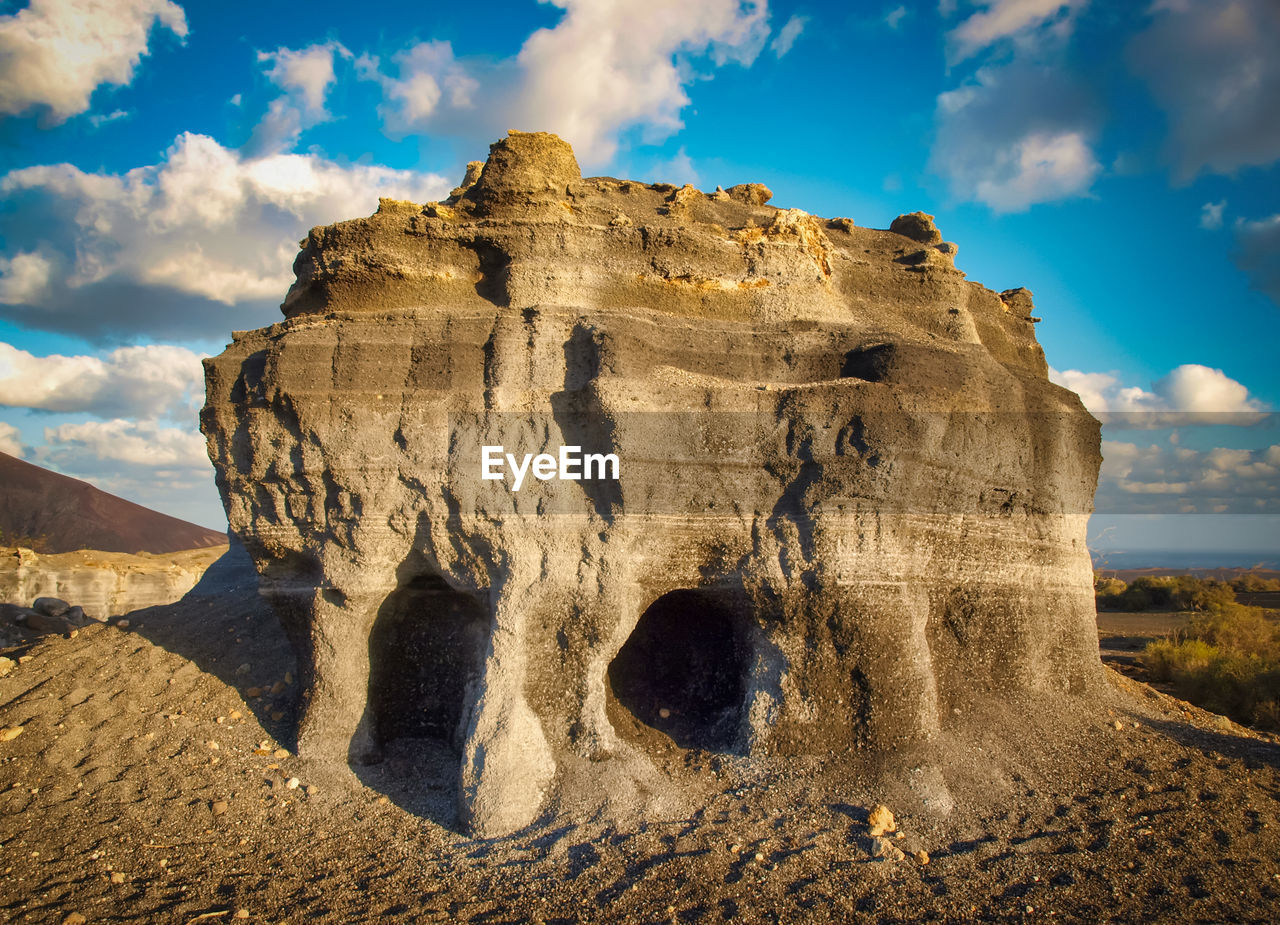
153, 781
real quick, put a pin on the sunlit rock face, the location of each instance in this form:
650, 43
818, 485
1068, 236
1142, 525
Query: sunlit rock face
847, 499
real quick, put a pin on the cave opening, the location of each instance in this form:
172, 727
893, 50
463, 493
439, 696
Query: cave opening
426, 654
682, 671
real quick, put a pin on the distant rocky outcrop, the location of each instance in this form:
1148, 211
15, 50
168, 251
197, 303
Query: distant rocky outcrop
97, 584
848, 504
65, 514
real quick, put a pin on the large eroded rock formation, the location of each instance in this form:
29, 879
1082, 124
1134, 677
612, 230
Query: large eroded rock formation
848, 499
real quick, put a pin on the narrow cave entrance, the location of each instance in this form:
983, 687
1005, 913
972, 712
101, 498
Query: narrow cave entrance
683, 670
426, 653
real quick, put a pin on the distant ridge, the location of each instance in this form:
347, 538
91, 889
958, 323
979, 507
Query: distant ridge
69, 514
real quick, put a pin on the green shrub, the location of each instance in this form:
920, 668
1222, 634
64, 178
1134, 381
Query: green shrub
1251, 581
1227, 661
1162, 592
1107, 591
1136, 597
1235, 628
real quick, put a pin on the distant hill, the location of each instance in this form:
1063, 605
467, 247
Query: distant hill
69, 514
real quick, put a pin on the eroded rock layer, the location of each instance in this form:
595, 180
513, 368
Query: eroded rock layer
848, 502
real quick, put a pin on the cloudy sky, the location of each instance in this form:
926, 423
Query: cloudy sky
159, 161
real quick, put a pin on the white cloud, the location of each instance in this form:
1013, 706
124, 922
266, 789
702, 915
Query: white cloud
1009, 19
428, 74
97, 121
1015, 136
679, 170
24, 278
134, 443
55, 53
158, 249
162, 467
1258, 254
605, 68
307, 71
1189, 394
1169, 479
1211, 214
305, 75
1213, 67
1040, 167
11, 441
150, 381
791, 30
134, 430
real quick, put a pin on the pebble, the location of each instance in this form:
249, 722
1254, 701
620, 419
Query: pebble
288, 677
1117, 725
664, 713
122, 623
277, 688
312, 790
922, 857
9, 733
880, 820
23, 659
241, 914
253, 692
735, 848
235, 714
75, 918
886, 850
243, 669
6, 665
759, 857
277, 715
117, 877
293, 783
218, 807
280, 753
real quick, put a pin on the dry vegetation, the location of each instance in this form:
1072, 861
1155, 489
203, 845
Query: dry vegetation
1227, 659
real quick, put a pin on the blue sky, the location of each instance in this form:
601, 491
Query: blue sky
159, 161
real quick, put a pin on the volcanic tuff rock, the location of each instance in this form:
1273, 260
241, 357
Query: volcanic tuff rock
103, 583
849, 503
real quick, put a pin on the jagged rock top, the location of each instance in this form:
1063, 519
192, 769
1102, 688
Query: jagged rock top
526, 230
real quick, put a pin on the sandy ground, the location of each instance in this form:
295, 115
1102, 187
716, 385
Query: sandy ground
151, 783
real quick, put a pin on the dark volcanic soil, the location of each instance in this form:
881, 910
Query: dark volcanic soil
150, 783
66, 514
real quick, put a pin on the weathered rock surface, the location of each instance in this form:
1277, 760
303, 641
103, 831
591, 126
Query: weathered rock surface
849, 503
102, 583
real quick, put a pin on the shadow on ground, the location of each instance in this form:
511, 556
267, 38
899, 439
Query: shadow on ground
1253, 752
222, 625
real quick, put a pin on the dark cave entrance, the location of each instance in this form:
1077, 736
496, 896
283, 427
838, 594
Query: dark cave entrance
426, 653
683, 669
